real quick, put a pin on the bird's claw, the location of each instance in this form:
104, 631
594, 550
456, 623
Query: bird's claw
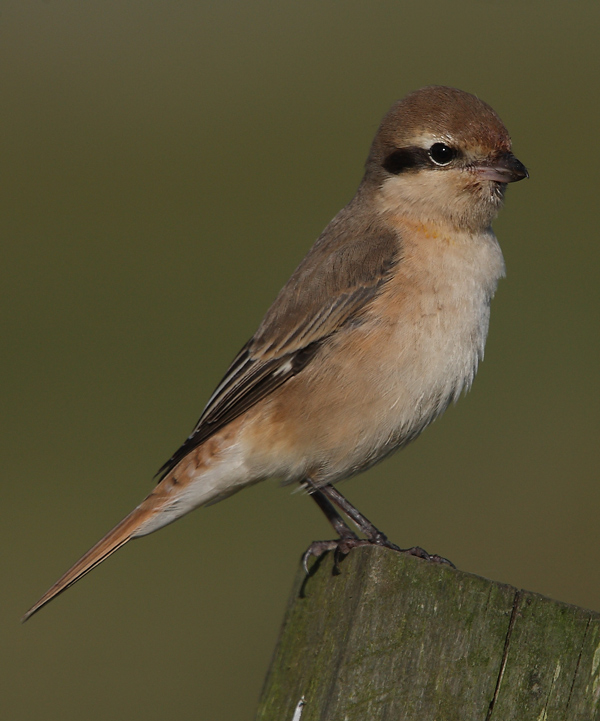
317, 549
343, 546
422, 553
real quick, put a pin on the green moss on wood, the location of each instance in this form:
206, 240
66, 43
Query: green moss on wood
391, 637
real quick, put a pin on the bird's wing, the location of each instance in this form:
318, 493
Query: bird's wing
334, 284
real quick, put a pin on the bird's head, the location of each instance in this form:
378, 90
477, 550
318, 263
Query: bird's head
442, 155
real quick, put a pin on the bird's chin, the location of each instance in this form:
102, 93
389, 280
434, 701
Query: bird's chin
496, 191
490, 192
485, 199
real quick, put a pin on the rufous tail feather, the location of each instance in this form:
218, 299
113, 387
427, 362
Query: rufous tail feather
110, 543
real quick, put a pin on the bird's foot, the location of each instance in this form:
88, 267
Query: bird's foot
422, 553
343, 546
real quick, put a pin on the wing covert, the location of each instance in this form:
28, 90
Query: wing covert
344, 270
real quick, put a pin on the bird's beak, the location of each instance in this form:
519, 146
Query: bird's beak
505, 169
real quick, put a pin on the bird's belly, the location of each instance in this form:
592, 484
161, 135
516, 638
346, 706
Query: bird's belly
371, 392
377, 383
427, 365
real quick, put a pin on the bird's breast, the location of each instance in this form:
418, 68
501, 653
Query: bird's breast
379, 381
434, 314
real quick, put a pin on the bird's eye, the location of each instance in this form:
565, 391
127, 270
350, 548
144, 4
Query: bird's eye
442, 154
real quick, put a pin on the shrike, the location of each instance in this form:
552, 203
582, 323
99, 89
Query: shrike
378, 330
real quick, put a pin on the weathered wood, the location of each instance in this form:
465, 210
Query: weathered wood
393, 638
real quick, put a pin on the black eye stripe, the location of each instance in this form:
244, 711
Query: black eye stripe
402, 159
415, 158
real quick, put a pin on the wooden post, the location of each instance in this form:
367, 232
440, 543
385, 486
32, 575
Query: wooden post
388, 637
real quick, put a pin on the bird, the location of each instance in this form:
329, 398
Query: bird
378, 330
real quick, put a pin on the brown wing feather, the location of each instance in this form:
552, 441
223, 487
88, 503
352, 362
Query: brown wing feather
334, 284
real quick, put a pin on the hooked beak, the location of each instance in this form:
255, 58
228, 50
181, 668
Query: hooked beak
505, 169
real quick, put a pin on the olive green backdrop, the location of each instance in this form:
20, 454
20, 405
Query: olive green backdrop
164, 166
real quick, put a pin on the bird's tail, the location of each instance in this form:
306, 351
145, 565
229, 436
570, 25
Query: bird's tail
148, 512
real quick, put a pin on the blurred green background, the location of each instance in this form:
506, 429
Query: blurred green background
165, 165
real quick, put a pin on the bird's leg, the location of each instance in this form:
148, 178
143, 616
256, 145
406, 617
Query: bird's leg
327, 495
318, 548
362, 522
331, 514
